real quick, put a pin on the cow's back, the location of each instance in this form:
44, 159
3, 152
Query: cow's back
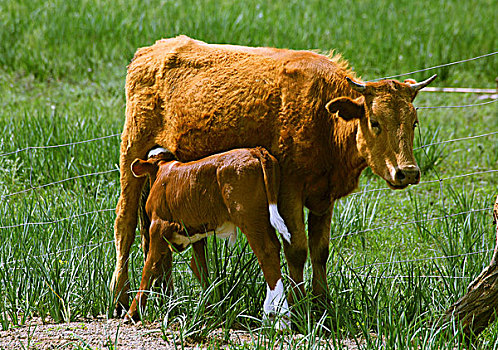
201, 99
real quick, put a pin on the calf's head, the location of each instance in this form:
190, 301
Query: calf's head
141, 168
386, 122
149, 167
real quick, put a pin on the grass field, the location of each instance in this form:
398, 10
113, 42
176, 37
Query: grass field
398, 258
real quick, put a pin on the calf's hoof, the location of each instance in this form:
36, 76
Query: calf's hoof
131, 319
280, 322
119, 311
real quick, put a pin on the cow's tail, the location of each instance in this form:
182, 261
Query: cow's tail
271, 177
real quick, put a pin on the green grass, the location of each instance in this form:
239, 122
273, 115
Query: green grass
62, 70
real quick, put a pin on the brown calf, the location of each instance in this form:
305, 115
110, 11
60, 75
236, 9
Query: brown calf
214, 195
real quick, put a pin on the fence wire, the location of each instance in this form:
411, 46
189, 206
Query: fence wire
366, 191
428, 181
459, 106
59, 252
391, 225
438, 66
414, 276
58, 220
336, 237
58, 182
58, 146
484, 251
455, 140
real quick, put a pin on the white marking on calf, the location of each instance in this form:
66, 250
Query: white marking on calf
226, 230
276, 303
278, 223
155, 151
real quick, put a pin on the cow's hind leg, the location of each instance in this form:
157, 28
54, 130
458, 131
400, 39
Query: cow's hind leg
126, 219
290, 206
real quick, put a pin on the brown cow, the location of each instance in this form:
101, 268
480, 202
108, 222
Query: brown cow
322, 124
214, 195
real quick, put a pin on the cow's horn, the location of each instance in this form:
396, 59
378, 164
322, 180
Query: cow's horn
356, 86
422, 84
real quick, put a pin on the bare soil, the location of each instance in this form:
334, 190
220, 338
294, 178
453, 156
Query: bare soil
102, 333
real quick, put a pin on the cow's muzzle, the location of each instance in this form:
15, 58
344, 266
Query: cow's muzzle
404, 176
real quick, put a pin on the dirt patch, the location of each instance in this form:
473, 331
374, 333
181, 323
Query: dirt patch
104, 333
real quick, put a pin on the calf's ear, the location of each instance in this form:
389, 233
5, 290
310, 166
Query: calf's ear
346, 107
141, 168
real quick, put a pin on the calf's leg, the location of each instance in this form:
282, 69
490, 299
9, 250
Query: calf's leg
198, 262
158, 259
266, 247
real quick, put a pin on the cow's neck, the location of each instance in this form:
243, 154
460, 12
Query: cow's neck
347, 164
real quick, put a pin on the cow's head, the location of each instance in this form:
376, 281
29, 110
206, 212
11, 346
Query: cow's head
386, 123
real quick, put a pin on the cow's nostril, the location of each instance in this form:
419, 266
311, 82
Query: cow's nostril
400, 175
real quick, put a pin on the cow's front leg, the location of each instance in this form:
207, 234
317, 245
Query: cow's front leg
319, 237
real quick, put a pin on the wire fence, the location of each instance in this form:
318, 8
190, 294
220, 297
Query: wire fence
439, 66
391, 225
356, 193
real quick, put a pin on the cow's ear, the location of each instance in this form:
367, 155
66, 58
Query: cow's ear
141, 168
347, 107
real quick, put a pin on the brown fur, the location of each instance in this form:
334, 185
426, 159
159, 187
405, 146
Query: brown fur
189, 199
196, 99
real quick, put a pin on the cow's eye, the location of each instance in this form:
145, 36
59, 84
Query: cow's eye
415, 124
375, 126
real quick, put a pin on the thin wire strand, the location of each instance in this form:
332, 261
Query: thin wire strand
57, 146
438, 66
422, 259
114, 170
90, 245
421, 276
59, 220
455, 140
461, 106
58, 182
391, 225
429, 181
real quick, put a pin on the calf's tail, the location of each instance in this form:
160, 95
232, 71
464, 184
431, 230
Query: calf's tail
271, 177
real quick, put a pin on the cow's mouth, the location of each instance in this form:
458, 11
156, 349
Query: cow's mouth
396, 187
